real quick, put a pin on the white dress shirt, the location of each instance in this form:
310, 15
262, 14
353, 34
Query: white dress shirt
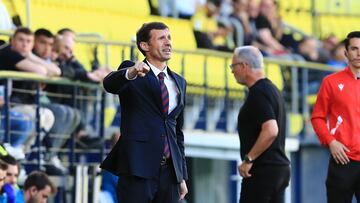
170, 85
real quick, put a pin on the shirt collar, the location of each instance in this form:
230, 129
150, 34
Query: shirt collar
156, 71
353, 75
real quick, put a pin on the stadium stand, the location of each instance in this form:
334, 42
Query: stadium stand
105, 32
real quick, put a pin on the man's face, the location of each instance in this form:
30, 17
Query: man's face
66, 48
239, 70
2, 178
43, 46
39, 196
12, 174
353, 53
22, 43
159, 45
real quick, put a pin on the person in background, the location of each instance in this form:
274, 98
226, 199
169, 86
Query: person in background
63, 54
335, 120
3, 195
261, 127
18, 56
66, 117
338, 59
11, 187
269, 28
37, 188
240, 20
21, 126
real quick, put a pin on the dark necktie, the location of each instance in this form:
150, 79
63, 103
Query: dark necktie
165, 104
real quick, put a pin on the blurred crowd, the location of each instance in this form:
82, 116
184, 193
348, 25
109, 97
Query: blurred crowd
48, 55
226, 24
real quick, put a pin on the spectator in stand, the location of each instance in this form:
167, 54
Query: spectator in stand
74, 70
3, 195
18, 57
330, 42
11, 187
66, 117
12, 172
209, 33
20, 124
338, 58
44, 43
309, 49
37, 188
240, 20
269, 28
67, 32
253, 11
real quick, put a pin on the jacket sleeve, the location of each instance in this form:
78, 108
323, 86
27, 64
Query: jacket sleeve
116, 81
180, 138
79, 71
321, 112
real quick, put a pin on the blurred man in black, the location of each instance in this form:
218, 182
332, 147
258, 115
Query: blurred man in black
261, 126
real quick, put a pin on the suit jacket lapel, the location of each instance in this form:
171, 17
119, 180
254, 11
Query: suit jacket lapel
181, 91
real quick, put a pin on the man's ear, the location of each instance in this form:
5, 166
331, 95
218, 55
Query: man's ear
345, 52
144, 46
33, 190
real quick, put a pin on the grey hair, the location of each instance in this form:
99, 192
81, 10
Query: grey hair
250, 55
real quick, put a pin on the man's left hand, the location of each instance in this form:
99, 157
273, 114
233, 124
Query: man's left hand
183, 189
244, 169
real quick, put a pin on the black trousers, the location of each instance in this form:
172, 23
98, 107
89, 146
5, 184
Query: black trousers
343, 181
161, 189
266, 185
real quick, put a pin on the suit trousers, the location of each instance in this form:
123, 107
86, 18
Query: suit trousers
160, 189
343, 181
266, 185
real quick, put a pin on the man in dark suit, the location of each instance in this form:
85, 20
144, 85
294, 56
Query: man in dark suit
149, 157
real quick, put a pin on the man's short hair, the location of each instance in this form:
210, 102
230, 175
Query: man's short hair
23, 30
354, 34
8, 159
40, 180
43, 32
63, 30
143, 34
3, 165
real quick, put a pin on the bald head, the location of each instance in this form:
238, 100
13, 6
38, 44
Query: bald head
251, 55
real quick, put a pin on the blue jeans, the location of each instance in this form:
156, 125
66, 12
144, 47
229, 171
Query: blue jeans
20, 128
66, 121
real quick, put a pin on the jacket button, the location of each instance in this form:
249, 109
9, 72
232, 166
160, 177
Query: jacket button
162, 135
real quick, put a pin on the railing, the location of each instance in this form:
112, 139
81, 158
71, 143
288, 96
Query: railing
210, 82
205, 99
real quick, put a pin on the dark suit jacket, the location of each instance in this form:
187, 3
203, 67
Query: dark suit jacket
144, 125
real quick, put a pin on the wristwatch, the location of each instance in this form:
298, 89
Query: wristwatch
248, 159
